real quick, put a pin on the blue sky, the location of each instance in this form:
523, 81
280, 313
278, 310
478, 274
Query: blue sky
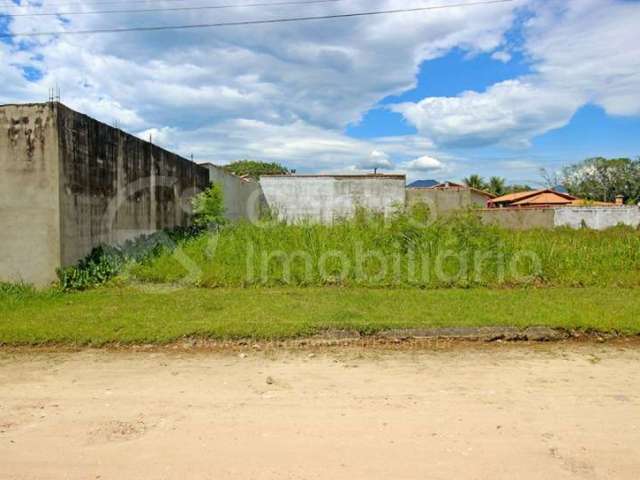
504, 89
590, 132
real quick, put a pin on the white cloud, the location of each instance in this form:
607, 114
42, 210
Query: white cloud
581, 52
376, 159
510, 112
298, 145
286, 92
501, 56
310, 79
424, 164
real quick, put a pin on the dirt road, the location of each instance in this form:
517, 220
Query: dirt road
495, 412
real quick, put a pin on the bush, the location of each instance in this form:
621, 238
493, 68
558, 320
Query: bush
105, 262
208, 207
255, 169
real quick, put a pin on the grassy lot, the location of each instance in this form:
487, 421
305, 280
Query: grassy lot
404, 250
159, 315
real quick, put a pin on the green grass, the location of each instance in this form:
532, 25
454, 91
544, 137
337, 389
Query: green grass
129, 315
456, 252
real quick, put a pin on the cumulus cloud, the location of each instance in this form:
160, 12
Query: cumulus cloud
283, 78
581, 52
509, 112
376, 159
424, 164
287, 92
299, 145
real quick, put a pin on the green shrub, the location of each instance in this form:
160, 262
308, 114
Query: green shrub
208, 207
16, 289
105, 262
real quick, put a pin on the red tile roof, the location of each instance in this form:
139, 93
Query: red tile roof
533, 197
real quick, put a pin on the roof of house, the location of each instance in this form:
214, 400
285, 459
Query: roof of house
543, 196
449, 184
423, 184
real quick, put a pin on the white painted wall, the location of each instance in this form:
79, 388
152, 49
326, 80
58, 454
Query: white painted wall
598, 218
328, 198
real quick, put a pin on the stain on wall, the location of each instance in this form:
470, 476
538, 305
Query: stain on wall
115, 186
29, 202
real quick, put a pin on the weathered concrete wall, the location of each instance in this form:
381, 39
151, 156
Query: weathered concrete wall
243, 200
445, 201
29, 202
327, 198
518, 218
598, 218
69, 183
114, 186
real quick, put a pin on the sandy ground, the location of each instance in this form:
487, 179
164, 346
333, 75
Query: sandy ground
492, 412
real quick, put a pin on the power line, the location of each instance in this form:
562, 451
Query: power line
249, 22
93, 3
170, 9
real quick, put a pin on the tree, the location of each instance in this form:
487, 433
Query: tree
550, 179
475, 181
515, 188
497, 186
208, 207
603, 179
255, 169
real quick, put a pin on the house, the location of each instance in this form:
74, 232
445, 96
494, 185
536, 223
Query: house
542, 198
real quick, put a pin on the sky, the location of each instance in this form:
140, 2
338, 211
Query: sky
496, 89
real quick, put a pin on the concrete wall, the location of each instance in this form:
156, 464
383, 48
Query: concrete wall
114, 186
598, 218
327, 198
243, 200
29, 201
518, 218
69, 183
445, 201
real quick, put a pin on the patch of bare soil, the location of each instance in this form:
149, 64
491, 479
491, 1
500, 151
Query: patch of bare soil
494, 411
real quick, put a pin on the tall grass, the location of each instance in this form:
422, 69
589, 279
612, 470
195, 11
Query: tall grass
405, 250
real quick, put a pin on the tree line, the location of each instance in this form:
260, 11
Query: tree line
597, 178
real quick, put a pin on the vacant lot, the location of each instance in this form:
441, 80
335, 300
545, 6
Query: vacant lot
155, 314
403, 251
496, 412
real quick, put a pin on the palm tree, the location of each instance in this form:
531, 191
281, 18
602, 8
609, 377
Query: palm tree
497, 186
475, 181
